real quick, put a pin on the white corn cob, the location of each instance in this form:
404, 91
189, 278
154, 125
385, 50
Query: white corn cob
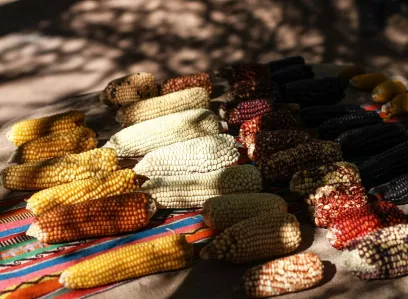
142, 138
192, 190
202, 154
192, 98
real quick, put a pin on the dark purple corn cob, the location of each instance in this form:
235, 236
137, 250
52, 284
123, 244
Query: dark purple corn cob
254, 89
292, 73
397, 190
285, 62
243, 71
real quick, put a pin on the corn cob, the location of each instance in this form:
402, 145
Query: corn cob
313, 92
97, 218
185, 82
367, 82
292, 73
96, 163
397, 106
224, 211
285, 62
142, 138
332, 128
31, 129
129, 89
130, 261
192, 190
203, 154
257, 238
329, 202
307, 181
285, 275
54, 145
254, 89
314, 116
397, 190
266, 143
372, 140
192, 98
350, 71
382, 168
359, 222
379, 255
116, 183
387, 90
243, 71
281, 166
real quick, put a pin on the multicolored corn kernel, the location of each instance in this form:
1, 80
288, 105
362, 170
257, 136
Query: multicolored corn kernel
350, 71
397, 106
285, 275
248, 110
279, 64
97, 218
381, 254
254, 89
257, 238
243, 71
186, 82
397, 190
292, 73
367, 82
359, 222
329, 202
387, 90
307, 181
223, 211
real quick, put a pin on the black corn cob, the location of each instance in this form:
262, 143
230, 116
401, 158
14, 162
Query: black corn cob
254, 89
332, 128
285, 62
314, 116
397, 190
372, 140
243, 71
292, 73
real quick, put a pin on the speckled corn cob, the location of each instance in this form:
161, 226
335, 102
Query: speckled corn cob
130, 261
285, 62
387, 90
31, 129
54, 145
397, 106
129, 89
331, 201
266, 143
256, 238
243, 71
381, 254
97, 218
254, 89
397, 190
192, 190
185, 82
292, 73
96, 163
192, 98
307, 181
281, 166
332, 128
367, 82
142, 138
116, 183
285, 275
224, 211
359, 222
199, 155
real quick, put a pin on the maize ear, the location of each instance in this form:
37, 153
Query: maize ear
185, 82
254, 89
129, 89
96, 163
202, 154
350, 71
192, 190
130, 261
97, 218
285, 62
397, 106
247, 110
379, 255
243, 71
387, 90
285, 275
292, 73
367, 82
31, 129
142, 138
257, 238
116, 183
192, 98
223, 211
397, 190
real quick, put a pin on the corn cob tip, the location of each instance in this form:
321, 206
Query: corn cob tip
33, 230
104, 100
223, 126
354, 263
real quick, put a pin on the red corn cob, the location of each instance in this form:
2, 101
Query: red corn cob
186, 82
243, 71
359, 222
254, 89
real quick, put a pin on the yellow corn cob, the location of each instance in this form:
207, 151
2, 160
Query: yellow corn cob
397, 106
202, 154
97, 218
367, 82
192, 190
224, 211
187, 81
31, 129
387, 90
142, 138
193, 98
129, 89
257, 238
116, 183
49, 173
130, 261
54, 145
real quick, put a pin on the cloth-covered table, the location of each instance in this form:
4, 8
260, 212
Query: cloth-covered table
29, 268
